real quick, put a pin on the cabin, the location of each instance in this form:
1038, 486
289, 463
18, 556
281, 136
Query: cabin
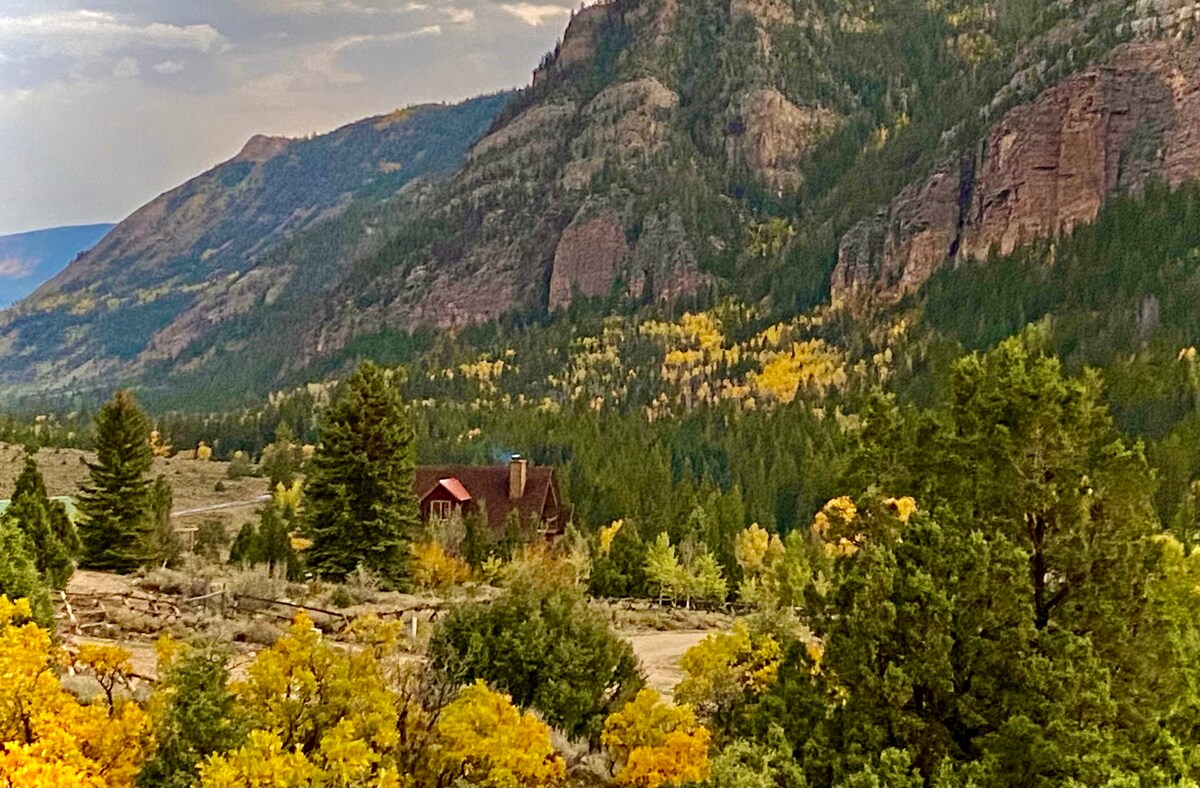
517, 486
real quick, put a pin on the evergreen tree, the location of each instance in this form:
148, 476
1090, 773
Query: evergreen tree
246, 546
274, 543
19, 577
48, 529
475, 546
166, 547
280, 461
1021, 634
211, 540
361, 508
117, 515
620, 572
195, 716
541, 644
30, 482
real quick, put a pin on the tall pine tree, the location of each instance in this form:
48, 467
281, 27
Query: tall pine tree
361, 509
117, 527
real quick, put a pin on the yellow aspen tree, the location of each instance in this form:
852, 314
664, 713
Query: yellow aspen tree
484, 739
725, 667
655, 743
336, 706
434, 568
50, 739
261, 763
158, 445
750, 548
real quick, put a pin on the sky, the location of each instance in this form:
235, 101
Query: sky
105, 104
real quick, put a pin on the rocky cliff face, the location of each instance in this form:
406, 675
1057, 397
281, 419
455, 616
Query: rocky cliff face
771, 135
590, 255
1044, 168
576, 192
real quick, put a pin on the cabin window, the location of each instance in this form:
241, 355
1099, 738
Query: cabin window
439, 510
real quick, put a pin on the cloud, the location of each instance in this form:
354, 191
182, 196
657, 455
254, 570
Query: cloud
332, 7
83, 34
15, 267
535, 15
459, 16
126, 67
287, 67
324, 61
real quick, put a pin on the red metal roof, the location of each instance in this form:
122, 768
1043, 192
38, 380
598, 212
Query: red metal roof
455, 488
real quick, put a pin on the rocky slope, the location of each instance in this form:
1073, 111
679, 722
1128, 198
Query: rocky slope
1045, 167
196, 255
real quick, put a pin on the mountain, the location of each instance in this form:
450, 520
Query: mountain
29, 259
192, 255
1046, 167
789, 153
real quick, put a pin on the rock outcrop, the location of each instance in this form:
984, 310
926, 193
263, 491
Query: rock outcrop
770, 135
590, 256
260, 148
1044, 168
626, 122
1159, 18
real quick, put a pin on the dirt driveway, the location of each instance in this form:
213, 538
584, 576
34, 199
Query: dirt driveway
660, 653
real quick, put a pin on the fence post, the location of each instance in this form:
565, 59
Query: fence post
70, 613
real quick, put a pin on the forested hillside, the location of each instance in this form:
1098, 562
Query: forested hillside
666, 153
680, 152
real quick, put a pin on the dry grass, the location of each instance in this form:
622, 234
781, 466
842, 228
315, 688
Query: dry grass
192, 482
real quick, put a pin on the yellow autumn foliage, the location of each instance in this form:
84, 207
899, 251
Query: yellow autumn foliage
809, 365
50, 738
750, 548
834, 526
656, 743
902, 507
486, 740
321, 713
287, 500
433, 567
260, 763
607, 534
158, 446
725, 666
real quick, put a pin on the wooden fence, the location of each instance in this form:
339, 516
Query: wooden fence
84, 611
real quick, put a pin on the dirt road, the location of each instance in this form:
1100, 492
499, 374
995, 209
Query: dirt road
660, 653
218, 507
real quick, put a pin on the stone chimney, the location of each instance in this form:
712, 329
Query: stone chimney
518, 474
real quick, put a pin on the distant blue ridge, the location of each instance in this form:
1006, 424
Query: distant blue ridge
29, 259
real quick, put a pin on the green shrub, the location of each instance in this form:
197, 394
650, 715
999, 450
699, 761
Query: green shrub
544, 647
